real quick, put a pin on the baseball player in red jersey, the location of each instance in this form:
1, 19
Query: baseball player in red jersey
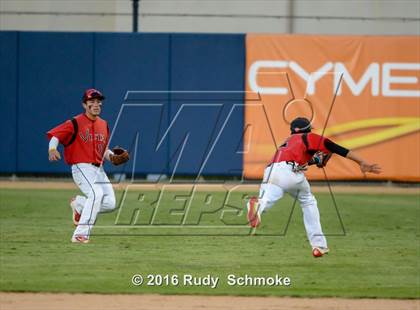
285, 174
85, 139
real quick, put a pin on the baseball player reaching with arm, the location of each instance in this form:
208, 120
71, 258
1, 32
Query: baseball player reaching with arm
85, 139
285, 174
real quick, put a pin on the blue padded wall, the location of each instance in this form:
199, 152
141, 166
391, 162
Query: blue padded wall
126, 64
43, 76
8, 100
54, 70
211, 67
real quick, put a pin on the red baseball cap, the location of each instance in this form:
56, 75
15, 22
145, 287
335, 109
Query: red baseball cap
92, 93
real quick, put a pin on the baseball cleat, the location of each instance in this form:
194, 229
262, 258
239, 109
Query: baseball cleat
319, 251
76, 215
254, 218
79, 239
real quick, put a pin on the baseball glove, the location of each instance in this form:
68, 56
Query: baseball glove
120, 156
320, 159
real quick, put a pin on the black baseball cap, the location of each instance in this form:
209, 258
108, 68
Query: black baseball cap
300, 125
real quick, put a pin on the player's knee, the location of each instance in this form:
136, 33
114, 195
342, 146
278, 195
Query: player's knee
97, 193
109, 202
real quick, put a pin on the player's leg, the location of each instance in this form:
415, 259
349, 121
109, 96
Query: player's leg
108, 200
268, 195
77, 203
311, 217
89, 185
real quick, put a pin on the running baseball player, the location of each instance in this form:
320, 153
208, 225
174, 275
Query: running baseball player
285, 173
85, 139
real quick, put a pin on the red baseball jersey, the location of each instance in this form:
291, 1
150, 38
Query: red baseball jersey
90, 142
294, 148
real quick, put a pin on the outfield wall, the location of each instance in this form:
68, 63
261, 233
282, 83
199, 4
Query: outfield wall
43, 76
185, 93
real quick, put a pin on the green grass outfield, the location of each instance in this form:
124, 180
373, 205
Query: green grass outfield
378, 256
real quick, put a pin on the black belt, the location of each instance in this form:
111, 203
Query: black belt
96, 165
292, 163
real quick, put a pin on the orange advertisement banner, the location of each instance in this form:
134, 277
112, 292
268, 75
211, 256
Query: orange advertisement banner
362, 92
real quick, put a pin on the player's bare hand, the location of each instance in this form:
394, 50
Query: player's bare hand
372, 168
53, 155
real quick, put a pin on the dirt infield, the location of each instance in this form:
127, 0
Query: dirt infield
361, 189
44, 301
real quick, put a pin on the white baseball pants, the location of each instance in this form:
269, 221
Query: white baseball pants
280, 178
98, 196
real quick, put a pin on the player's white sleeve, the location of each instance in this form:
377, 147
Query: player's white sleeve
107, 153
53, 143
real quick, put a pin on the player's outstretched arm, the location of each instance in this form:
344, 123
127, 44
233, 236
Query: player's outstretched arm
364, 166
344, 152
53, 154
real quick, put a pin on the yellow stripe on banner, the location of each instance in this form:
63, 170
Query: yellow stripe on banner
402, 126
